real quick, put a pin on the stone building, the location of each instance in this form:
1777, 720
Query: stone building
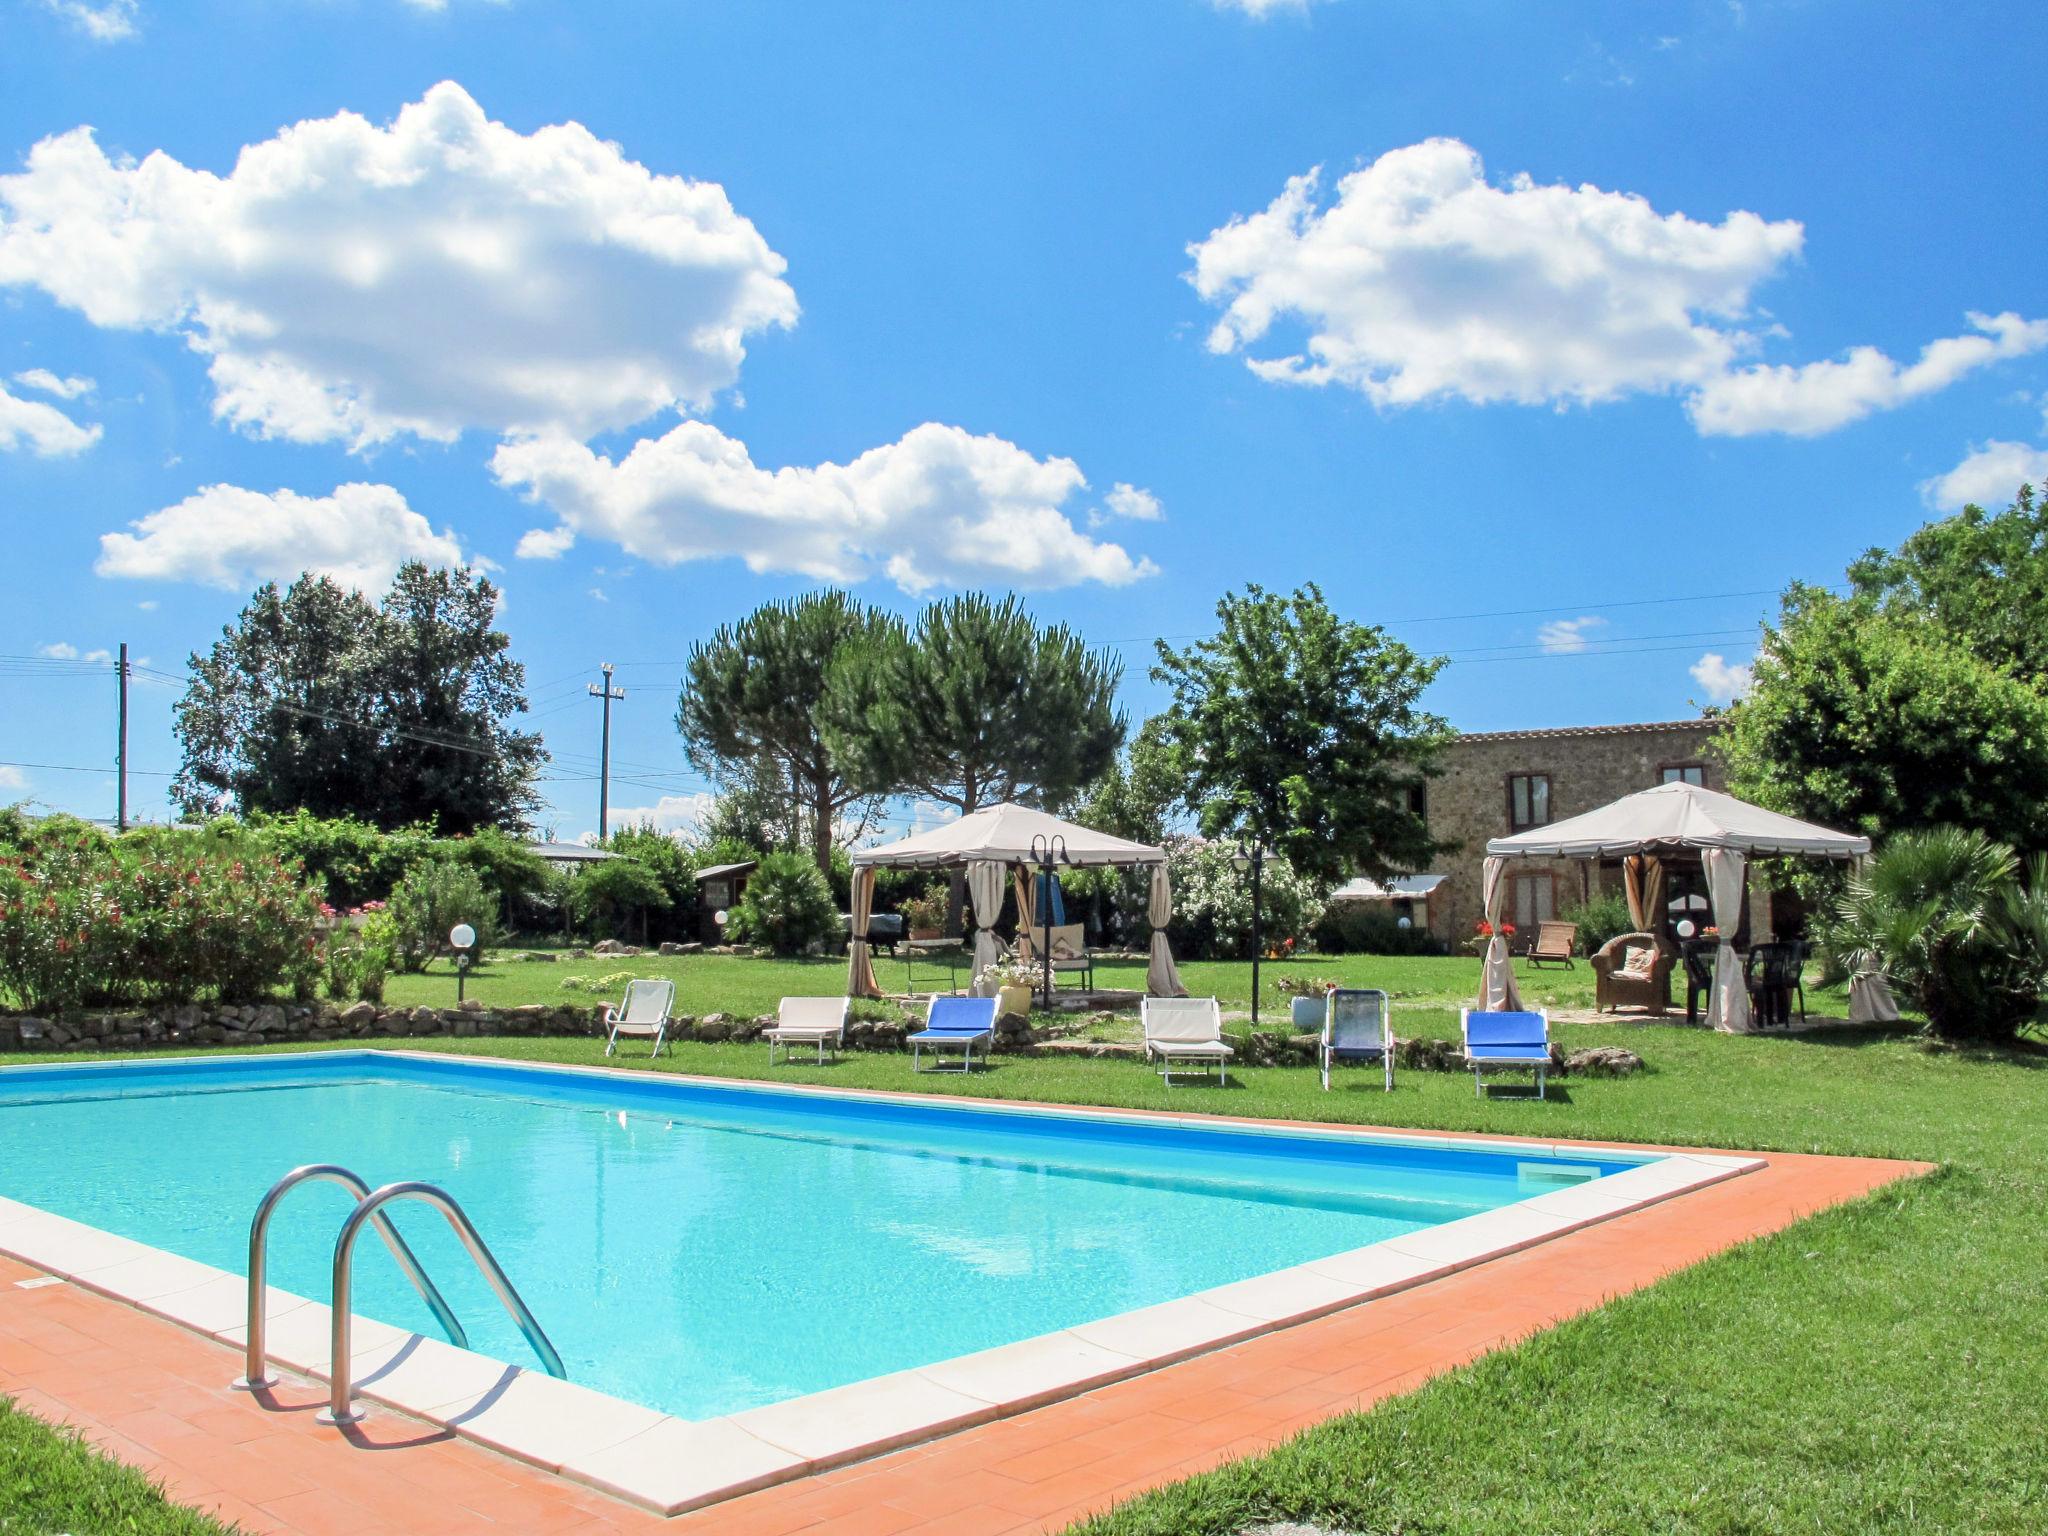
1500, 782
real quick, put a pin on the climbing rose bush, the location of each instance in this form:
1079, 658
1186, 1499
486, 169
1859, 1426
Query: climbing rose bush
89, 920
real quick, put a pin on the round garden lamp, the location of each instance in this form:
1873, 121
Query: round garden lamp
462, 939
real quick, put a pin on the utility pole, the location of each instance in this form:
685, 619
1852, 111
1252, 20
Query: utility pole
121, 753
606, 692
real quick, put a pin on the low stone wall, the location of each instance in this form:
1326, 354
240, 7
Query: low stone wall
279, 1023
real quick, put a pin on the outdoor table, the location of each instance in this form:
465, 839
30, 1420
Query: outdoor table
934, 953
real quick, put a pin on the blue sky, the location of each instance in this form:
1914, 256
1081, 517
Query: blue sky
1595, 315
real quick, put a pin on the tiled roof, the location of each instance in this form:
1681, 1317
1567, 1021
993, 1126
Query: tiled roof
1594, 730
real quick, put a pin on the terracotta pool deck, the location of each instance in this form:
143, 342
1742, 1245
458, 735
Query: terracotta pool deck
155, 1395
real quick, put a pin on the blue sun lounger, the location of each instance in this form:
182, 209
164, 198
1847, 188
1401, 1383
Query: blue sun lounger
955, 1021
1515, 1041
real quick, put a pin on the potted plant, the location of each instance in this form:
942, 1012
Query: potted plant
1309, 994
1012, 980
925, 915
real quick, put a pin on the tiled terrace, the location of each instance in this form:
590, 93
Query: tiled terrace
156, 1396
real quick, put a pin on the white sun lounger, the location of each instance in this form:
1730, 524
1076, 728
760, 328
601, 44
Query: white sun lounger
642, 1014
1184, 1032
819, 1021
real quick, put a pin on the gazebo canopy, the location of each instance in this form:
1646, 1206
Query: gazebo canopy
1005, 834
1671, 817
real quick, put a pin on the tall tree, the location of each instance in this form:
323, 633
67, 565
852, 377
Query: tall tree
1874, 718
758, 688
1306, 732
394, 713
979, 704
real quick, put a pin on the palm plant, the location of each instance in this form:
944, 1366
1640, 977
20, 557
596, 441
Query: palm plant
1945, 914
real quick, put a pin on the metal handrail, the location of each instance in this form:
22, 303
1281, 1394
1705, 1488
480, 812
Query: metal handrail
254, 1375
339, 1408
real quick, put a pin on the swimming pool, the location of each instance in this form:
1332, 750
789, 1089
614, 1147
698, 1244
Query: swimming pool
708, 1249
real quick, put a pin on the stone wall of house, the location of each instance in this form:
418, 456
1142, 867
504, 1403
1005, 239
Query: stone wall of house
1588, 767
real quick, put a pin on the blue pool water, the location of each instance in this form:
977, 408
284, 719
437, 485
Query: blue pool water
703, 1249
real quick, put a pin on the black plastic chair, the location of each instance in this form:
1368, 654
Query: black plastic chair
1773, 975
1699, 978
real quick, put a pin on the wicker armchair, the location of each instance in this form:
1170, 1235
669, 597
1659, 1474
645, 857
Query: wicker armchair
1616, 988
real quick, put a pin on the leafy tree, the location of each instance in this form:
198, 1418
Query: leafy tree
1305, 731
756, 689
976, 705
353, 861
1138, 795
605, 896
753, 808
787, 906
394, 713
511, 871
1978, 575
1872, 718
672, 863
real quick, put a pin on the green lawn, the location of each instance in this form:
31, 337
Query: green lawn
50, 1481
1878, 1368
742, 985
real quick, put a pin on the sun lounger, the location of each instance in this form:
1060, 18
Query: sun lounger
1358, 1025
1183, 1032
962, 1022
819, 1021
1509, 1041
641, 1015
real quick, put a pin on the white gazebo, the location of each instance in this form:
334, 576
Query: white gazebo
1642, 830
985, 844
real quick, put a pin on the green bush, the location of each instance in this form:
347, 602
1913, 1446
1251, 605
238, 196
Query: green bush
604, 897
510, 871
1369, 928
351, 861
359, 960
1950, 917
610, 982
788, 906
433, 897
675, 866
86, 919
1601, 917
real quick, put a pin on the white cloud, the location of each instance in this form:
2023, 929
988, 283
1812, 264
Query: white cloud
64, 650
1722, 683
937, 506
1421, 281
357, 283
1127, 500
228, 537
671, 814
1563, 637
104, 21
1988, 476
68, 388
41, 428
12, 777
1813, 398
545, 543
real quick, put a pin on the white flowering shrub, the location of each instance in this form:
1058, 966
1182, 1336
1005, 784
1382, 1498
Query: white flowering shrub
1212, 902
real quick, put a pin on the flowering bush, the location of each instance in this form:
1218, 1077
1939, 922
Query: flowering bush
86, 919
1212, 902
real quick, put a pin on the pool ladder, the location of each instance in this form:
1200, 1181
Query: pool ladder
369, 1211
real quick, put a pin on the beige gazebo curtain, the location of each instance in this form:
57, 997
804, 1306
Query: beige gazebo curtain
1728, 1003
1162, 976
860, 964
985, 890
1497, 978
1642, 878
1870, 996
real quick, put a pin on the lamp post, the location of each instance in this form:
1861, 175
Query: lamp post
1252, 856
462, 939
1046, 853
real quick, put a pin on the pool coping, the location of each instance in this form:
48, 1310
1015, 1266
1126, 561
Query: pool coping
670, 1465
